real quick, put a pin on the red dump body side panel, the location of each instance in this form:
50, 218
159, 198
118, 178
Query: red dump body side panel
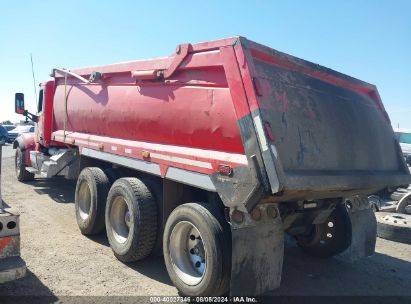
193, 108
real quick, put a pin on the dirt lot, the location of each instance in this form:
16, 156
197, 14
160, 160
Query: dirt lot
62, 262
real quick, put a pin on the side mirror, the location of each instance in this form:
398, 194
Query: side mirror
19, 103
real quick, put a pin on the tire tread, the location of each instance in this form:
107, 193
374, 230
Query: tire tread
392, 232
220, 230
24, 175
145, 236
102, 188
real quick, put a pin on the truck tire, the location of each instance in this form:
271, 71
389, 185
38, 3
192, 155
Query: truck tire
113, 174
20, 164
330, 238
131, 219
156, 188
404, 205
197, 250
90, 200
394, 226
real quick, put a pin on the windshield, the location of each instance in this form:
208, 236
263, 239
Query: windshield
405, 138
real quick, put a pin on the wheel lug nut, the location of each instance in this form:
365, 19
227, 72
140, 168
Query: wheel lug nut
256, 214
198, 264
272, 211
192, 251
192, 237
237, 216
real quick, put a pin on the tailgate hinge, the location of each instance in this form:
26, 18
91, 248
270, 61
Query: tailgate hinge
181, 53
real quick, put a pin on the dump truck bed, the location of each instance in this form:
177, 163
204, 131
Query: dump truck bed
245, 116
330, 132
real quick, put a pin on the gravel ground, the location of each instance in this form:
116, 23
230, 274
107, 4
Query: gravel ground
62, 262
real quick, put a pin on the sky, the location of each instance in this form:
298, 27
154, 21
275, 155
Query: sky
369, 40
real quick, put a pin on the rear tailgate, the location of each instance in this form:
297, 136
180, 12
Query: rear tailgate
326, 131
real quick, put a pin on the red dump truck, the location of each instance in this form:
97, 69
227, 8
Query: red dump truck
210, 155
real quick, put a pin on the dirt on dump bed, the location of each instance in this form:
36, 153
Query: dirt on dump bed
62, 262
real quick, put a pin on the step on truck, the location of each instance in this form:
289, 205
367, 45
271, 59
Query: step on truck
211, 155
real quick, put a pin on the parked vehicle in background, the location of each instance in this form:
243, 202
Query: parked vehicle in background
404, 138
4, 136
211, 154
14, 133
9, 127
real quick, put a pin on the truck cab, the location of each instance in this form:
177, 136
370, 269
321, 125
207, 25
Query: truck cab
45, 113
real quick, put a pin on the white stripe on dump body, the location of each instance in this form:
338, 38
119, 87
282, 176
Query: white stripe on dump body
191, 178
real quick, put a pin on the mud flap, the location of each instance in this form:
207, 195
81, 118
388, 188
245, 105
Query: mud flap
257, 251
364, 229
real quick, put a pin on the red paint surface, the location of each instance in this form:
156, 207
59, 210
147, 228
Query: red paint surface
29, 143
45, 118
4, 242
247, 73
233, 75
163, 170
145, 151
172, 113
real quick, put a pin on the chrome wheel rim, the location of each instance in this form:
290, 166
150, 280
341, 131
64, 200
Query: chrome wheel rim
84, 200
121, 219
187, 252
407, 207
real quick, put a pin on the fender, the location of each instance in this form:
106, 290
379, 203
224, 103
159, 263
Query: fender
26, 142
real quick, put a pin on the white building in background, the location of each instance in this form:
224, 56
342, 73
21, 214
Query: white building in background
404, 137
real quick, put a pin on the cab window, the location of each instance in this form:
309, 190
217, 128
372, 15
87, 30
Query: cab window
40, 104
